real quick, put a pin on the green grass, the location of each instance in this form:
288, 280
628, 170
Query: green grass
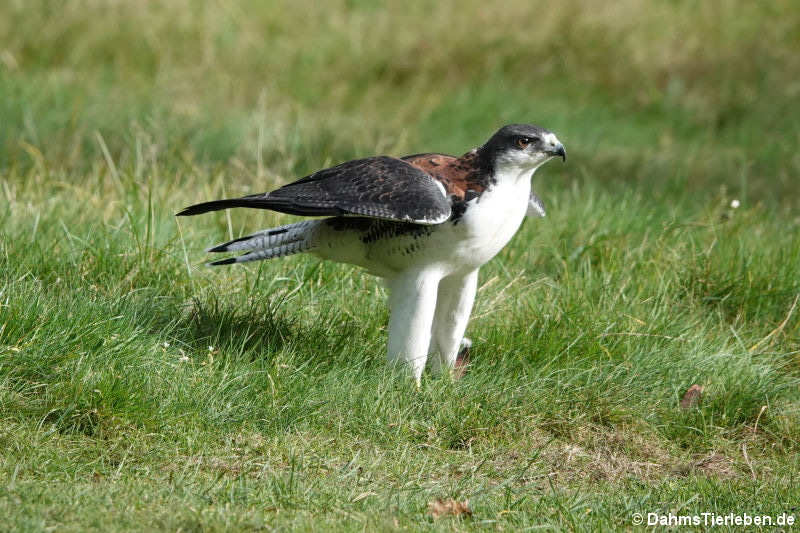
140, 390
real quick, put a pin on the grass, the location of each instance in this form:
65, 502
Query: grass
141, 390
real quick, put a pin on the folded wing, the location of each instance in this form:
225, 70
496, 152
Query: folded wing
377, 187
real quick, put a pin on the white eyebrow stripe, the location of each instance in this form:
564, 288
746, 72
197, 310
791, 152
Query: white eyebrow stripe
550, 138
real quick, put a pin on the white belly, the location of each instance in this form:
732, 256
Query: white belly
488, 224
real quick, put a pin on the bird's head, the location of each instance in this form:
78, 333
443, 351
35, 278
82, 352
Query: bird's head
521, 148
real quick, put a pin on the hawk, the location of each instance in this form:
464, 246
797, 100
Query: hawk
425, 223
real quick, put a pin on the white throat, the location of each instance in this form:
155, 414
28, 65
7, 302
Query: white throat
518, 171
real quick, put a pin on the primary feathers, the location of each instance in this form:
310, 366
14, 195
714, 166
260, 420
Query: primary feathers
379, 187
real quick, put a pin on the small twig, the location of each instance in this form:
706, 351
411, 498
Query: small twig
780, 326
638, 321
747, 460
755, 427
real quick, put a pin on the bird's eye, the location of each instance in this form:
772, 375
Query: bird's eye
523, 142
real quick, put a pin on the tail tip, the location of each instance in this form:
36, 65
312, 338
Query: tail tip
220, 262
226, 247
188, 211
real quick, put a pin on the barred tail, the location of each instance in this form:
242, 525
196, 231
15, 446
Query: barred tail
270, 243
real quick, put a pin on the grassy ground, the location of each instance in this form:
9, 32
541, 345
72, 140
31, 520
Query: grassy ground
140, 390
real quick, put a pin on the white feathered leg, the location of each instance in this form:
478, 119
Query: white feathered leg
412, 303
453, 307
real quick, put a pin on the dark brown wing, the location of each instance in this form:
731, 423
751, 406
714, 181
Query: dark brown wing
378, 187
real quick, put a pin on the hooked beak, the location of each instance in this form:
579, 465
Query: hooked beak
559, 151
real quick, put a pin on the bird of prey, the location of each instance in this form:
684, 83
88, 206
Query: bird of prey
425, 223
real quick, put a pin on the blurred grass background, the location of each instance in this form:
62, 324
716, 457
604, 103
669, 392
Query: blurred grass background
643, 91
642, 280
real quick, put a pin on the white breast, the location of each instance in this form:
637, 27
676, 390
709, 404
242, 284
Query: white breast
491, 220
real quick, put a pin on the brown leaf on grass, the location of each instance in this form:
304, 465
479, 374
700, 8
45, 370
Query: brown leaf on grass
440, 507
462, 362
692, 396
